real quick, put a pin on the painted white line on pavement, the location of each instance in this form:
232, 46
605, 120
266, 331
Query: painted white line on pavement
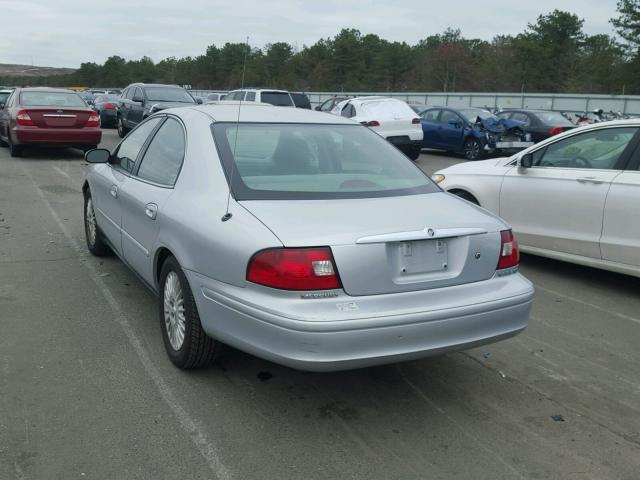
195, 432
590, 305
62, 172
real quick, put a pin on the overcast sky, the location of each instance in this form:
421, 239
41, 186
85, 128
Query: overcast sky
64, 33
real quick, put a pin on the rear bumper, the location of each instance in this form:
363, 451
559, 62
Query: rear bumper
345, 332
57, 136
108, 117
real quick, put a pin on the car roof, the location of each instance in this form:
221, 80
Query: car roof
265, 113
264, 89
47, 89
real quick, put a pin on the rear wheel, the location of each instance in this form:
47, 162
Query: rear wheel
14, 150
413, 152
186, 343
2, 142
472, 149
92, 232
122, 130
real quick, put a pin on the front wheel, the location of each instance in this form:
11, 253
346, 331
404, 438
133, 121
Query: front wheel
472, 149
92, 233
186, 343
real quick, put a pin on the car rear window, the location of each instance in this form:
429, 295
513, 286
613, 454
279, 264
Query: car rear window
168, 94
279, 99
314, 161
391, 109
554, 118
51, 99
300, 100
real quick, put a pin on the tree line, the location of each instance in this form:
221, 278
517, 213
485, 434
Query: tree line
552, 55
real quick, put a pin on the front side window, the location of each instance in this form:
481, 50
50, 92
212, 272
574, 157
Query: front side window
51, 99
596, 149
251, 97
163, 159
314, 161
129, 149
448, 115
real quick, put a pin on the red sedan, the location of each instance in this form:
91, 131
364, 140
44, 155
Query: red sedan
48, 116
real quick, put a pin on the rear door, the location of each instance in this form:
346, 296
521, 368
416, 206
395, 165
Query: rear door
145, 194
109, 180
620, 240
558, 204
429, 121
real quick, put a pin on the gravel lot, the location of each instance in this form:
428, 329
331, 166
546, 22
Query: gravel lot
86, 390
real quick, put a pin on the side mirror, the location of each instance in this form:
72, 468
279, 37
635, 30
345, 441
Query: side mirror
525, 161
199, 101
318, 108
137, 99
97, 155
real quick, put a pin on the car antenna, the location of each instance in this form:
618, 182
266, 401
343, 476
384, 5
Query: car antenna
227, 215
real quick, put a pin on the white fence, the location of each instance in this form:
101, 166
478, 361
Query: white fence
629, 104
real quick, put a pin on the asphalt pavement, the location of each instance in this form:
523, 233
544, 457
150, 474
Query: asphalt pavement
86, 390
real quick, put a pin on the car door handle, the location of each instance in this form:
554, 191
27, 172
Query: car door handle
151, 210
595, 180
114, 191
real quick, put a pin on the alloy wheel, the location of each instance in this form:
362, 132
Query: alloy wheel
92, 227
174, 312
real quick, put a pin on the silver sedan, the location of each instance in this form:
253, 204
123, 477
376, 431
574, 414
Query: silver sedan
299, 237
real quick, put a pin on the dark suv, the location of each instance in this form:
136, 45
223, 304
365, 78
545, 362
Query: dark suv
139, 100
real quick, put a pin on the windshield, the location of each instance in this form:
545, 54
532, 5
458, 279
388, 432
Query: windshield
471, 114
168, 94
106, 98
554, 118
279, 99
51, 99
313, 161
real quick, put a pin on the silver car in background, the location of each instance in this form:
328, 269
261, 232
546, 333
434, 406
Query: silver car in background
301, 238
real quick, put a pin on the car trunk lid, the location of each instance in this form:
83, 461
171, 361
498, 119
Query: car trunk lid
54, 117
392, 244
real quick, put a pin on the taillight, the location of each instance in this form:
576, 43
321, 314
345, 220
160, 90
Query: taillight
93, 121
373, 123
415, 121
109, 106
23, 118
509, 252
294, 269
556, 131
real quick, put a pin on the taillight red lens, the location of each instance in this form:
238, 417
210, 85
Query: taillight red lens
415, 121
373, 123
23, 118
556, 131
294, 269
109, 106
509, 252
93, 121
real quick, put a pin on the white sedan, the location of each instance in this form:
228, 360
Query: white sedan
573, 197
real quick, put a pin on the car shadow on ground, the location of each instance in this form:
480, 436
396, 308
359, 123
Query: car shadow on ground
51, 153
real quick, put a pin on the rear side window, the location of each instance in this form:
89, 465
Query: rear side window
300, 100
163, 159
348, 111
51, 99
130, 147
448, 115
307, 161
431, 115
279, 99
521, 117
251, 97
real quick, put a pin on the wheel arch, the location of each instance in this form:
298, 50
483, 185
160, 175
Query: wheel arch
458, 191
161, 256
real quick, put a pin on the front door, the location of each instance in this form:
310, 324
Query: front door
558, 204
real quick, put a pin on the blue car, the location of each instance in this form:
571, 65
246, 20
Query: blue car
473, 132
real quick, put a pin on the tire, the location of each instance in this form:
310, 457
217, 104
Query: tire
92, 233
413, 152
14, 150
467, 196
3, 143
187, 346
122, 130
472, 149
